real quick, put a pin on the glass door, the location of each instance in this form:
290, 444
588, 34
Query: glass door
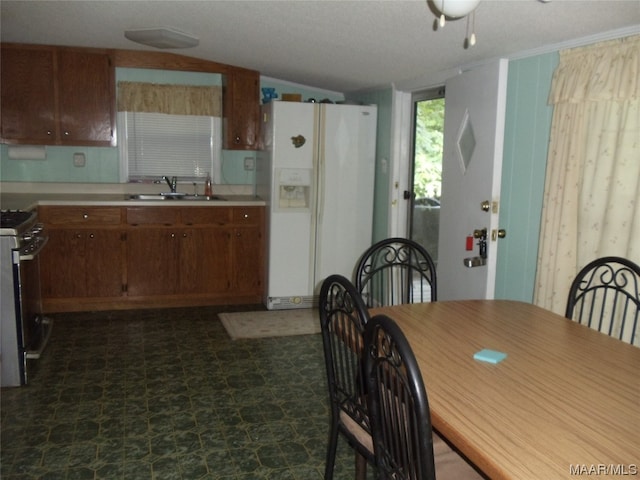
426, 174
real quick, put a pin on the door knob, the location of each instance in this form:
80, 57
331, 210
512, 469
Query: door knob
480, 233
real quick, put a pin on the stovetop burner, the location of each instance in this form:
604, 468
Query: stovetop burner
13, 222
13, 218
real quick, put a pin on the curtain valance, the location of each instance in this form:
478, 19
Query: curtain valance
170, 99
606, 71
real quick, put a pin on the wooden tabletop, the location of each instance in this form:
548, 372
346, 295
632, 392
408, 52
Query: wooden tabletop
565, 401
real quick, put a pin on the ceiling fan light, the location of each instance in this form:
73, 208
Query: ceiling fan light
456, 8
162, 37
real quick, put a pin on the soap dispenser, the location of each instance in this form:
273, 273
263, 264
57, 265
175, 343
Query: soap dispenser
207, 186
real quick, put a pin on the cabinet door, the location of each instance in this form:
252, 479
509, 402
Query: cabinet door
27, 95
242, 110
62, 264
205, 260
247, 260
103, 263
152, 261
78, 263
87, 97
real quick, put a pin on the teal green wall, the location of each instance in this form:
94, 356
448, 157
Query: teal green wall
383, 99
528, 123
101, 166
102, 163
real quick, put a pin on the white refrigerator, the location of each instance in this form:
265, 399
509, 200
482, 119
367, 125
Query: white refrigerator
316, 173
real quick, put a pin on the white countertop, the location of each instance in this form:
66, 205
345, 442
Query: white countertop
18, 196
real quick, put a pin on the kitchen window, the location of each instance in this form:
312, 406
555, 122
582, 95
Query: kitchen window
172, 130
156, 144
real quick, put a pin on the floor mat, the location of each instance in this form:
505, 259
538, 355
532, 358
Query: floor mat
272, 323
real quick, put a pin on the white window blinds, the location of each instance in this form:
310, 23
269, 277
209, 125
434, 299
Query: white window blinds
157, 144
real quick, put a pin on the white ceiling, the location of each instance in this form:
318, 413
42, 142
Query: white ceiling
340, 46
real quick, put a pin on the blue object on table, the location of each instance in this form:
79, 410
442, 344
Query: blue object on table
490, 356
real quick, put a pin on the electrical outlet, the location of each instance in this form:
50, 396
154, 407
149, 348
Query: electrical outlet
79, 159
249, 163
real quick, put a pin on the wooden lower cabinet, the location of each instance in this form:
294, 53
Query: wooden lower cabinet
177, 261
150, 257
82, 263
246, 260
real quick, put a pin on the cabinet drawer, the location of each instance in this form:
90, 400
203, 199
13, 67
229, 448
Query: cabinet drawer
206, 215
80, 215
152, 215
247, 215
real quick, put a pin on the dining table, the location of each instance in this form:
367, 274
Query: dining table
564, 401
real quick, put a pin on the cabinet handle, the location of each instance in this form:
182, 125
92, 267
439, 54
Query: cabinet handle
237, 139
66, 134
85, 216
91, 235
49, 132
184, 235
173, 235
246, 215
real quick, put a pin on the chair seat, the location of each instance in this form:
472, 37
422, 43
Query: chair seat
360, 434
450, 465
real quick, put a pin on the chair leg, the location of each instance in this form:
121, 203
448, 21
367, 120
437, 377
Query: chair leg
361, 466
331, 452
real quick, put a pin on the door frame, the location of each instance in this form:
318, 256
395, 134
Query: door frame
401, 107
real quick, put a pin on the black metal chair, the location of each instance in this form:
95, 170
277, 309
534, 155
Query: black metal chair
343, 316
605, 295
398, 404
396, 271
405, 446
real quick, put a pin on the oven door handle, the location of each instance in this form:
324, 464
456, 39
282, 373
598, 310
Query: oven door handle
30, 251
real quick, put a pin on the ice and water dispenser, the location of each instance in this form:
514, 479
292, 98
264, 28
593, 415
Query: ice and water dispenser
294, 188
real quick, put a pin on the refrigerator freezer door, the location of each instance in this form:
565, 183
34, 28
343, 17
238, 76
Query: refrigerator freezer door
291, 241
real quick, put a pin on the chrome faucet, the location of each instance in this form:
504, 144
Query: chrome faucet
173, 183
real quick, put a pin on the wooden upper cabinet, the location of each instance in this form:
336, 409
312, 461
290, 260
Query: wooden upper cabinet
57, 96
86, 89
28, 95
241, 109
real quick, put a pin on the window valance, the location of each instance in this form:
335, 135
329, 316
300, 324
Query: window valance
607, 71
170, 99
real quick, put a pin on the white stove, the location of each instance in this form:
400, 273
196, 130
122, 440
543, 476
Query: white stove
24, 330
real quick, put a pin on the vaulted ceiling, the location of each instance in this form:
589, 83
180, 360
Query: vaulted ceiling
340, 46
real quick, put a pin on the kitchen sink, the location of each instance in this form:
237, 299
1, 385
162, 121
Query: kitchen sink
175, 196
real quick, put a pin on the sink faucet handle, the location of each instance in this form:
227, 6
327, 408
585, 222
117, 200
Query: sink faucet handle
173, 183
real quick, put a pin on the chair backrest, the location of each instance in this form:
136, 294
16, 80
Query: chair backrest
605, 295
343, 316
398, 404
395, 271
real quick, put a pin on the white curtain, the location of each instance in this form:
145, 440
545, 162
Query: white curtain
591, 205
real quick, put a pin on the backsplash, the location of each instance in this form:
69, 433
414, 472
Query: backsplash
101, 166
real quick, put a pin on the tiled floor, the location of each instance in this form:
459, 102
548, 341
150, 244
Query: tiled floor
165, 394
